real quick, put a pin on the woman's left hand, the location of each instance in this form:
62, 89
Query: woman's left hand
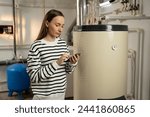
73, 59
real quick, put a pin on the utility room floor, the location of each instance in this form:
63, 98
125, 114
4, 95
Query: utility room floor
4, 96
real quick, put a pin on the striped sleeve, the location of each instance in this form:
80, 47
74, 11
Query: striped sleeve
35, 70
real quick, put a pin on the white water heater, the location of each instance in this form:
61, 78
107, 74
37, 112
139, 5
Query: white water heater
102, 69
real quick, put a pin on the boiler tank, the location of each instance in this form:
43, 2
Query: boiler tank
102, 69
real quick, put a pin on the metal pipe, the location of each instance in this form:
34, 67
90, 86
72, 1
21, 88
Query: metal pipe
8, 62
14, 19
80, 11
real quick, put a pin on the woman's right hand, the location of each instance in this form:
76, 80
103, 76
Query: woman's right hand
63, 58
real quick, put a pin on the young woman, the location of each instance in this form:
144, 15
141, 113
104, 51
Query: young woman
48, 59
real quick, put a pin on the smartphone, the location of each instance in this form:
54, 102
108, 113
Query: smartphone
75, 55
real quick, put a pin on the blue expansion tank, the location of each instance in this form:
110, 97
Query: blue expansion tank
17, 79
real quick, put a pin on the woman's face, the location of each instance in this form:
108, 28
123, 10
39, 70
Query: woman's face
55, 27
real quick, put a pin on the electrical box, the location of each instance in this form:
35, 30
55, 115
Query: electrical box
6, 29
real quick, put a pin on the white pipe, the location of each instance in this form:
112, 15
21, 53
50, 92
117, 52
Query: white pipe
10, 47
78, 14
140, 7
110, 18
139, 63
141, 45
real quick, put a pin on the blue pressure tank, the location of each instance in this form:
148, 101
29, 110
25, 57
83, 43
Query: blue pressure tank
17, 79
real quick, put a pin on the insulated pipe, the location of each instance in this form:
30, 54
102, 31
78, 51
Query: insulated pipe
132, 55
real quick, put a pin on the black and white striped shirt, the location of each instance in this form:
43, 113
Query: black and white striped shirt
47, 77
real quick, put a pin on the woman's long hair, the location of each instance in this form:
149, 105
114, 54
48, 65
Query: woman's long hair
48, 17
